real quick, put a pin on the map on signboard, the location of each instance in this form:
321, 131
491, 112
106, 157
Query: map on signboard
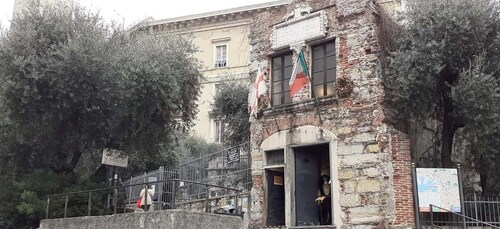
438, 187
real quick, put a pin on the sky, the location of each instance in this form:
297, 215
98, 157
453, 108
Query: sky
132, 11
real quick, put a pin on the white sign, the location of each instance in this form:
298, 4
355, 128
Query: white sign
300, 30
114, 157
438, 187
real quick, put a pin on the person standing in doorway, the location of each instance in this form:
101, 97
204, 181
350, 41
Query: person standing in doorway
146, 198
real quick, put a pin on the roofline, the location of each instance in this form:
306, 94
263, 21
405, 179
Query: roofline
216, 13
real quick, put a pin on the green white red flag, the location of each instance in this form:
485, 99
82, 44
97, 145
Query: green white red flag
300, 75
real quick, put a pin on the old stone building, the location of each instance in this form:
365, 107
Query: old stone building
331, 139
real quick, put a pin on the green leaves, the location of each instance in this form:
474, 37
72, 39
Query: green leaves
450, 46
72, 86
231, 106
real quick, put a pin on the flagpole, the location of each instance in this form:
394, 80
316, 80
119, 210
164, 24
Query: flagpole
312, 92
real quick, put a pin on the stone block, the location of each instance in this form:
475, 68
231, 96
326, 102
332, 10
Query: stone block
345, 174
349, 186
350, 149
366, 220
368, 185
365, 211
344, 130
359, 160
350, 200
372, 172
364, 138
373, 148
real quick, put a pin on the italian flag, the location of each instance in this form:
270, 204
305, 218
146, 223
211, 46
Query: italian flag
300, 75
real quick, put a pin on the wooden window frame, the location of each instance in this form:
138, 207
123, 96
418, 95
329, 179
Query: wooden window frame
325, 80
284, 78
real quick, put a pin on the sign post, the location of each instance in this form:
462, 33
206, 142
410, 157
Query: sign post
114, 158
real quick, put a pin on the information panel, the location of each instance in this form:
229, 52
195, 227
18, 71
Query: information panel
438, 187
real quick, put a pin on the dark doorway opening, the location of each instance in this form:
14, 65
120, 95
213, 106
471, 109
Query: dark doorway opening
313, 186
275, 197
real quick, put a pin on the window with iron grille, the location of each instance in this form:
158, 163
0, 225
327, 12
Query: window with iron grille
323, 68
220, 56
282, 67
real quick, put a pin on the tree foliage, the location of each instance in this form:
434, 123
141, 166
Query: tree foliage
446, 67
231, 106
73, 85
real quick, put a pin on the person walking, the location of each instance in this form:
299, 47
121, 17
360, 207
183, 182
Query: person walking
146, 198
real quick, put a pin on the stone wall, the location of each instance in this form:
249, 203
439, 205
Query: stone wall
374, 171
171, 219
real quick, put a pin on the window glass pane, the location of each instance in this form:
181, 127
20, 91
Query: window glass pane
288, 98
277, 87
224, 52
330, 62
318, 77
318, 52
218, 53
277, 99
277, 75
277, 63
318, 65
330, 88
330, 49
288, 60
330, 75
288, 72
318, 91
286, 85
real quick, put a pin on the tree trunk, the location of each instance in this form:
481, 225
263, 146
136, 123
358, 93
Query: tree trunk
67, 167
448, 130
447, 139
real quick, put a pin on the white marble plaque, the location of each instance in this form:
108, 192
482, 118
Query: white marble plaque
300, 30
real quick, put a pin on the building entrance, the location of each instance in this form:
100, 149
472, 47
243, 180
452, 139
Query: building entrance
313, 186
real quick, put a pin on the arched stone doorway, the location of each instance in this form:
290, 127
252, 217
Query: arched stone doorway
294, 161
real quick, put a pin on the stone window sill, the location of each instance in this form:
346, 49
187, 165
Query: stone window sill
301, 106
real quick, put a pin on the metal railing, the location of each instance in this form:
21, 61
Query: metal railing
96, 197
477, 211
483, 208
463, 222
230, 167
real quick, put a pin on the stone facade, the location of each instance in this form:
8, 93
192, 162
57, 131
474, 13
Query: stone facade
369, 159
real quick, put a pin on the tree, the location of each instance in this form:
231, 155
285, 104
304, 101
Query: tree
446, 67
74, 85
231, 105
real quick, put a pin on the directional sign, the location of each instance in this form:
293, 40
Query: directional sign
114, 157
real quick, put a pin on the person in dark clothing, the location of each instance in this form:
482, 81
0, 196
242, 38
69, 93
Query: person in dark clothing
324, 200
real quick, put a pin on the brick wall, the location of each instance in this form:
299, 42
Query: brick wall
403, 196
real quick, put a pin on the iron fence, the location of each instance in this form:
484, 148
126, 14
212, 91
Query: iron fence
479, 211
230, 167
163, 192
90, 202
